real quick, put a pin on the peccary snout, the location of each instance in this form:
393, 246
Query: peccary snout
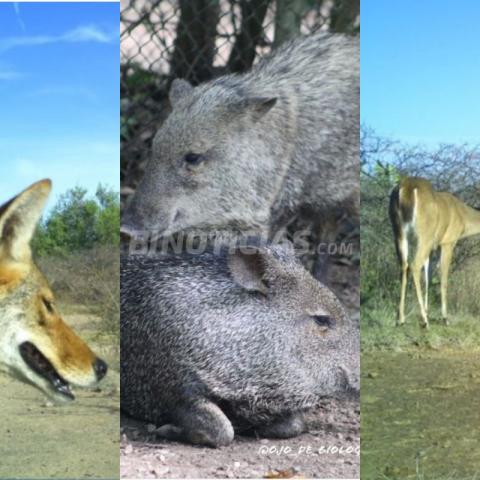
142, 208
246, 338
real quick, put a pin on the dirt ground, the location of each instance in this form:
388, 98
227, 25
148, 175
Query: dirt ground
420, 416
77, 440
329, 450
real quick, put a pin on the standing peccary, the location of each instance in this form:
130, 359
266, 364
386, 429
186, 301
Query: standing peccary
249, 339
249, 152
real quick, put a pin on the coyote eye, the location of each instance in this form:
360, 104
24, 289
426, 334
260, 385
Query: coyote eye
324, 321
48, 305
194, 159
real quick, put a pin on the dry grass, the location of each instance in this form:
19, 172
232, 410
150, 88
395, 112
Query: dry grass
89, 278
464, 288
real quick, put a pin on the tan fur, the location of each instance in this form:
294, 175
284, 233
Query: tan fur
438, 219
27, 305
10, 277
69, 354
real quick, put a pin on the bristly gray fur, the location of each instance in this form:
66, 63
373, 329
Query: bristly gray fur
277, 139
214, 340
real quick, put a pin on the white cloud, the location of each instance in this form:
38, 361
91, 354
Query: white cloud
21, 24
7, 74
87, 33
81, 34
64, 90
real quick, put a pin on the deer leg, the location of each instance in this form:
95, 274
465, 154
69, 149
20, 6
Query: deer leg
426, 274
423, 253
402, 248
445, 260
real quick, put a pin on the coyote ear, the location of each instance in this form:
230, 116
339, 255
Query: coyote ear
180, 89
18, 219
247, 267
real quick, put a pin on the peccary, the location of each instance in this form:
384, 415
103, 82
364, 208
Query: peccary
249, 152
248, 339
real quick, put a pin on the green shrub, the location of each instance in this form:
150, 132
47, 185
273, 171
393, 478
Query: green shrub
78, 222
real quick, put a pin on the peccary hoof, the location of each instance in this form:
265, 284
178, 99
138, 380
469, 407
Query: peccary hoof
200, 423
288, 427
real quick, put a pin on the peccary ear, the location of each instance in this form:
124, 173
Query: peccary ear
247, 268
258, 106
180, 89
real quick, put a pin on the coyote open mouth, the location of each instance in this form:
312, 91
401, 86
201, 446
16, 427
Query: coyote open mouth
35, 360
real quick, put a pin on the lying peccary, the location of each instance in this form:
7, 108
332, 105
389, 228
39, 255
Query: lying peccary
249, 152
245, 339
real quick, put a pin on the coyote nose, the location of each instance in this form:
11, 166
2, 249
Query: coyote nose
100, 368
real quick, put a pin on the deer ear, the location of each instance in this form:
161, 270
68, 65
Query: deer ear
180, 89
247, 267
18, 219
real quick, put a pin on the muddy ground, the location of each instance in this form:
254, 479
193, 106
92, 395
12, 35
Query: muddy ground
420, 415
78, 440
329, 450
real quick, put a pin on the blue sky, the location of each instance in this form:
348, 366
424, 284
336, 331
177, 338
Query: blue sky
59, 95
420, 70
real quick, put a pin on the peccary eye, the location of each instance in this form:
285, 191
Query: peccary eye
324, 321
48, 305
194, 159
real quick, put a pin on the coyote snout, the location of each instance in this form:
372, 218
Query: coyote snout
35, 343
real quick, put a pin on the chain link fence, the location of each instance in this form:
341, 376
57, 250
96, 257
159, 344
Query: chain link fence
201, 39
198, 40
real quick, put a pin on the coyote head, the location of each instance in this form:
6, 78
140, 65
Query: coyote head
35, 343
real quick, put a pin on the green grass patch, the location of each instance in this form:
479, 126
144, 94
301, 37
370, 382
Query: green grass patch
379, 331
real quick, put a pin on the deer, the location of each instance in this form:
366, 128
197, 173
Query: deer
437, 220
